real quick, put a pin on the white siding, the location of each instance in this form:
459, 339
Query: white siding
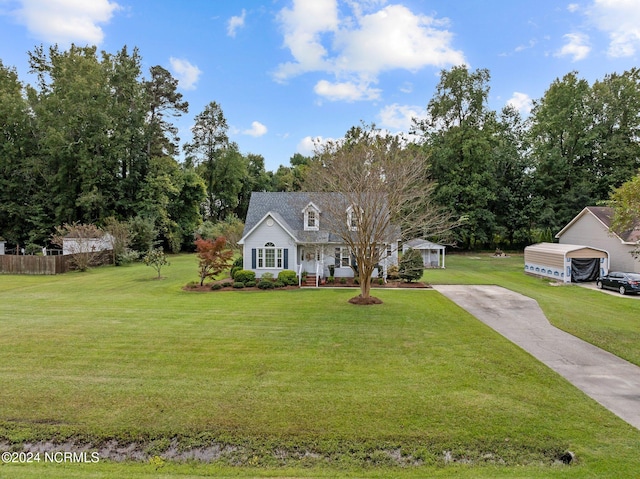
264, 234
86, 245
1, 247
589, 231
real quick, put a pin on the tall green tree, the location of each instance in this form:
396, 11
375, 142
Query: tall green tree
561, 138
459, 137
164, 101
128, 118
514, 205
71, 108
217, 160
584, 141
615, 110
256, 179
23, 214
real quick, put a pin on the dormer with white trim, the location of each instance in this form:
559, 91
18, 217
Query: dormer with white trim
352, 220
311, 217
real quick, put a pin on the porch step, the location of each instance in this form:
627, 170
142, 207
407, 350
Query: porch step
310, 281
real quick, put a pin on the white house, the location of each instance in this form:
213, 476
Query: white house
591, 227
290, 231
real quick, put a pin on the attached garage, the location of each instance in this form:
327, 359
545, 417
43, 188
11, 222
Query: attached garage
566, 262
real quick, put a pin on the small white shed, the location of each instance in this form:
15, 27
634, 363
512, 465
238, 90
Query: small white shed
2, 243
73, 245
566, 262
432, 253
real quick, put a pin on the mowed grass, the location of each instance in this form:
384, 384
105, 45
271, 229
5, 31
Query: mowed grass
299, 383
609, 321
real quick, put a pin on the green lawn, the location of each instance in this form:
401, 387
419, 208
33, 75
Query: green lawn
610, 322
295, 383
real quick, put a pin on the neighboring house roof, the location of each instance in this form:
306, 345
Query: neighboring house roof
287, 209
604, 215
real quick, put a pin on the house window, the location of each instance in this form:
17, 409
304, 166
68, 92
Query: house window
388, 250
343, 258
270, 257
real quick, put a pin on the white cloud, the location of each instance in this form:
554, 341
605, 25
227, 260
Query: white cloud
576, 47
573, 7
303, 26
355, 48
257, 129
400, 117
308, 145
235, 23
186, 73
521, 102
345, 91
532, 43
66, 21
620, 19
395, 38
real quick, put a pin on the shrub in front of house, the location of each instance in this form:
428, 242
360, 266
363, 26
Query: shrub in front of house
331, 280
238, 285
288, 277
250, 284
411, 266
343, 280
278, 284
244, 275
227, 284
216, 286
267, 276
234, 270
266, 284
392, 272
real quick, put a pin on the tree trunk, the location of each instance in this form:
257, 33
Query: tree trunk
365, 281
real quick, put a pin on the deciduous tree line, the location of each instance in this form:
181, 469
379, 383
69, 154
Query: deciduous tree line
93, 140
513, 179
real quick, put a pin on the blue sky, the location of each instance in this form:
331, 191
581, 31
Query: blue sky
286, 72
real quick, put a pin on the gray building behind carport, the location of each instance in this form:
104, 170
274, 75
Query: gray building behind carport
592, 227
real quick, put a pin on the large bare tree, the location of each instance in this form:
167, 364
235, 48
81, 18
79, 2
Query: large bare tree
383, 194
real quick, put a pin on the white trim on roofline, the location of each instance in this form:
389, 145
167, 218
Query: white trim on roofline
604, 225
274, 218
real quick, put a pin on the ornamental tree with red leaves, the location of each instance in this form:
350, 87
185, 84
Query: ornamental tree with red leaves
214, 257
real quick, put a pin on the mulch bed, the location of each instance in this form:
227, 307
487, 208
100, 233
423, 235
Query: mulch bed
392, 284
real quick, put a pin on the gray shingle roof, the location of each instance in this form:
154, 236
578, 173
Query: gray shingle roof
288, 208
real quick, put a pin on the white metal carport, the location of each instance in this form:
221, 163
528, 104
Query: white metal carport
554, 260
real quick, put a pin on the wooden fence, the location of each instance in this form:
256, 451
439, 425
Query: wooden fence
28, 264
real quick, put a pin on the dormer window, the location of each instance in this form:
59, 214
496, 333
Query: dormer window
311, 217
352, 219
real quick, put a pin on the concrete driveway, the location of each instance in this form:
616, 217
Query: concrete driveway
613, 382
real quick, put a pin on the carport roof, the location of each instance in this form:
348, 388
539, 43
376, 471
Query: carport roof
565, 249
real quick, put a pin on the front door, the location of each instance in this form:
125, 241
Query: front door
308, 255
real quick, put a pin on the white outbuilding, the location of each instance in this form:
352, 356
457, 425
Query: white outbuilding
432, 253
